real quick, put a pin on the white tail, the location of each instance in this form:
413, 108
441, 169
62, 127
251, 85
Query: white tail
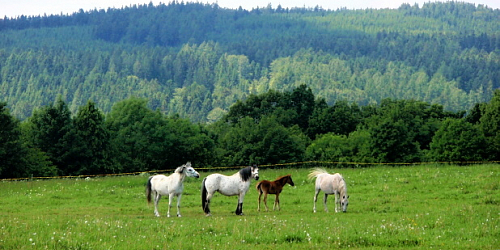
315, 172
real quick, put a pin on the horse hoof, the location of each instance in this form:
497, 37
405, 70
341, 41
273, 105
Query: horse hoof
207, 215
179, 215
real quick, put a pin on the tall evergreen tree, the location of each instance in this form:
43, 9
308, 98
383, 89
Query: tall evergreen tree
91, 146
490, 125
133, 128
50, 128
12, 152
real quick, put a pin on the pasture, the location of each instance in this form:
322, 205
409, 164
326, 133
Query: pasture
410, 207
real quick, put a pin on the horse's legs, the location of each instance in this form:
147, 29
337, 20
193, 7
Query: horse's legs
277, 202
179, 205
207, 204
337, 200
265, 201
324, 202
315, 198
157, 198
258, 205
239, 208
170, 198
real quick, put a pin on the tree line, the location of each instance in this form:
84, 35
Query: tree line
270, 128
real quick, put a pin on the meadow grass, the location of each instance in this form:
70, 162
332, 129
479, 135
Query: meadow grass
409, 207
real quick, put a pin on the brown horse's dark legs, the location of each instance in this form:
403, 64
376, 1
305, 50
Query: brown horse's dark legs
277, 202
258, 206
265, 201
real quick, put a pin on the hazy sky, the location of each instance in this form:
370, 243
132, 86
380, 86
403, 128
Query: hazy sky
14, 8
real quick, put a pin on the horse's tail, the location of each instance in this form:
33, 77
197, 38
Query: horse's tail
148, 189
315, 172
204, 196
258, 187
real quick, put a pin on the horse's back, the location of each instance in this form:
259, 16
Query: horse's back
158, 179
226, 185
328, 183
263, 185
270, 187
212, 182
161, 184
212, 179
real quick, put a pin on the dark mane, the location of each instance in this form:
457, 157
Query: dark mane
282, 177
246, 173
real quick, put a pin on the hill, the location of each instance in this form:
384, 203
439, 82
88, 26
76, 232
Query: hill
196, 60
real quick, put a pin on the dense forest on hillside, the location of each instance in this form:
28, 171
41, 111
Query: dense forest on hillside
196, 60
150, 87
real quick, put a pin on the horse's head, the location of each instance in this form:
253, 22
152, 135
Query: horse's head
344, 202
255, 172
189, 171
290, 181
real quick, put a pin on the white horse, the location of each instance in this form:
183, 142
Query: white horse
330, 184
171, 185
236, 184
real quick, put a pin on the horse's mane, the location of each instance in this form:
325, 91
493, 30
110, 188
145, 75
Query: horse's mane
180, 169
246, 173
343, 186
315, 172
283, 177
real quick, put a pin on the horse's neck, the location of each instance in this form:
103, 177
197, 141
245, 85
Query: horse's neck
342, 188
239, 177
282, 181
244, 183
180, 176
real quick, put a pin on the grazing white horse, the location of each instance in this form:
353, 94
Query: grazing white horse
236, 184
172, 185
330, 184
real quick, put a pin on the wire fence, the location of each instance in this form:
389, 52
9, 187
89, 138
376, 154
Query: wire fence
279, 165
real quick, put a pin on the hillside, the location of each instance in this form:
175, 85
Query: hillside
196, 60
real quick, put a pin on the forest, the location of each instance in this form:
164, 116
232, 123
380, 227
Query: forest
271, 128
196, 60
149, 87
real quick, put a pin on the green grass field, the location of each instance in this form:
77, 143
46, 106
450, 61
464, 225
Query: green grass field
411, 207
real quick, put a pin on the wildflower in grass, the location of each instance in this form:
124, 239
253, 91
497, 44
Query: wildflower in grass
308, 237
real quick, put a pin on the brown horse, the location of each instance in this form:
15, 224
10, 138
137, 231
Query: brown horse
273, 187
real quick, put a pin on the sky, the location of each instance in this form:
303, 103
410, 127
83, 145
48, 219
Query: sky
15, 8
